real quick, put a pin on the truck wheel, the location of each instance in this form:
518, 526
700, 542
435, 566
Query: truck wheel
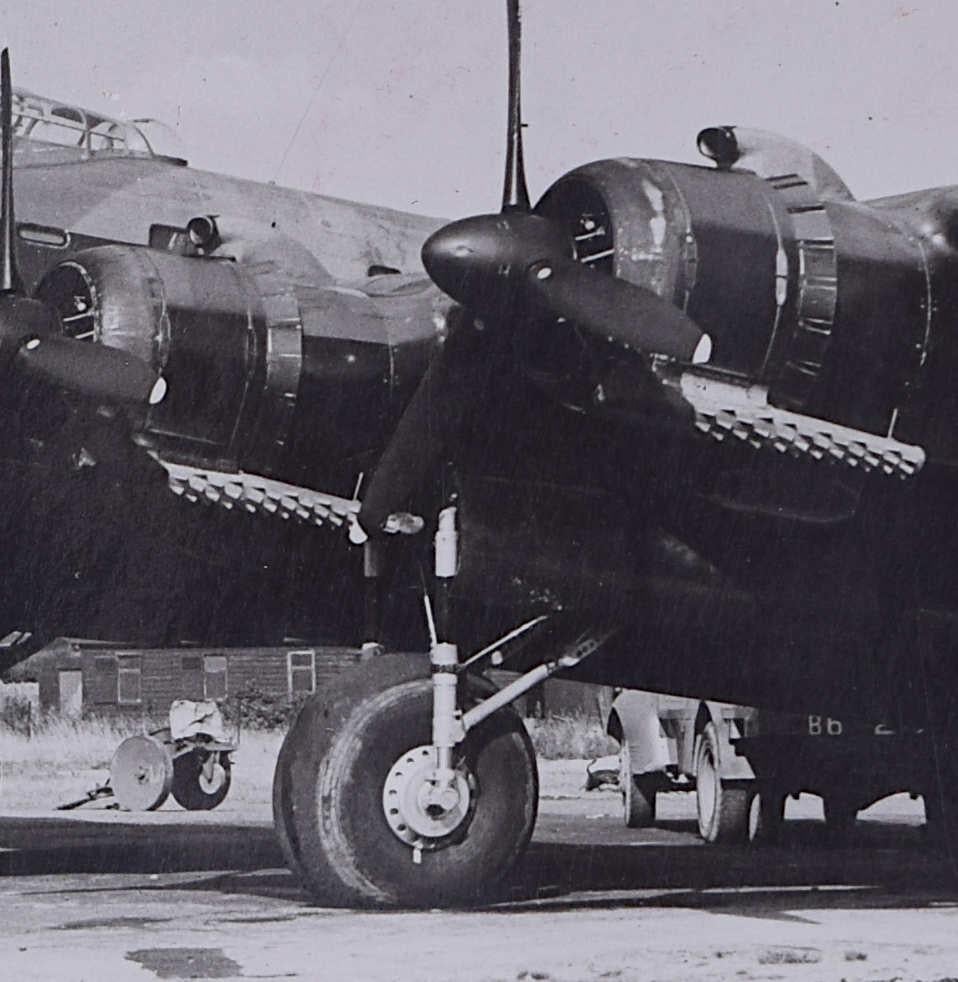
936, 829
840, 814
941, 797
198, 783
723, 807
638, 792
359, 786
941, 819
765, 816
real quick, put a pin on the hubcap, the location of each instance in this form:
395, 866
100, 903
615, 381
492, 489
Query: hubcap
421, 810
212, 780
707, 792
756, 825
625, 776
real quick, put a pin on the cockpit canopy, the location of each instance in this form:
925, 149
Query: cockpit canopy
55, 124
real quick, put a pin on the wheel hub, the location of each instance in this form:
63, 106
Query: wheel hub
212, 777
423, 808
705, 789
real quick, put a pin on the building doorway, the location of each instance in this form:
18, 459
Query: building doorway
71, 693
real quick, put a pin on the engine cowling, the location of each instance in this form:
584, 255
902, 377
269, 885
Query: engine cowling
265, 373
823, 301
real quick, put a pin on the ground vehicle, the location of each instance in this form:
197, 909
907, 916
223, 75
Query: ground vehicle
743, 763
192, 757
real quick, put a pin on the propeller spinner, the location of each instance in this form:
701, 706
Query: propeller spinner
520, 262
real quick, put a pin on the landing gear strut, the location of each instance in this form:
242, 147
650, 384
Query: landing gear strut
394, 788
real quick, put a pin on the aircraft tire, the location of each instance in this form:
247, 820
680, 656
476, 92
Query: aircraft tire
941, 790
722, 806
941, 824
189, 786
638, 792
282, 807
346, 743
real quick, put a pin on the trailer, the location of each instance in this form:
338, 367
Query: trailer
743, 763
191, 758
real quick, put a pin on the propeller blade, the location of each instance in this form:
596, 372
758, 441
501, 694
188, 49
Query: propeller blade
465, 262
10, 281
94, 371
515, 193
452, 382
615, 310
502, 268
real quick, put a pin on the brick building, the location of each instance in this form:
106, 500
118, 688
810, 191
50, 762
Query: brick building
92, 678
86, 678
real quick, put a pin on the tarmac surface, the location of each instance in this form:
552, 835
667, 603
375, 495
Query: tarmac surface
104, 895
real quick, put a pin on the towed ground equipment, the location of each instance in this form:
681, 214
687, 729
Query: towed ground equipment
190, 757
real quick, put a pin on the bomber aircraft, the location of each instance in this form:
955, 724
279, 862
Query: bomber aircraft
685, 428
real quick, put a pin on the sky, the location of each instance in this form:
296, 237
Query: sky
402, 102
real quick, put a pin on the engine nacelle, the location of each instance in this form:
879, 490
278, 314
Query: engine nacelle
823, 301
265, 373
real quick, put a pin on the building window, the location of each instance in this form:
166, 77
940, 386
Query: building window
103, 683
128, 677
191, 677
214, 676
115, 680
301, 671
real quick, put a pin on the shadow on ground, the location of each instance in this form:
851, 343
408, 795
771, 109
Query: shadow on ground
38, 846
572, 864
879, 865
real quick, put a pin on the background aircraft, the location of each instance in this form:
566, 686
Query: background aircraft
286, 329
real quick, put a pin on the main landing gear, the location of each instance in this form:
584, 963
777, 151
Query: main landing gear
394, 788
365, 817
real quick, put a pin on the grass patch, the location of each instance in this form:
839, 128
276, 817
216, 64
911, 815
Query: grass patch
57, 760
47, 760
570, 738
65, 743
19, 706
790, 956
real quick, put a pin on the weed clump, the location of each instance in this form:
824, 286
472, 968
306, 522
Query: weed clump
578, 737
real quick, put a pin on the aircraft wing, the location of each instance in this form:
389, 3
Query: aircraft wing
726, 409
260, 495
